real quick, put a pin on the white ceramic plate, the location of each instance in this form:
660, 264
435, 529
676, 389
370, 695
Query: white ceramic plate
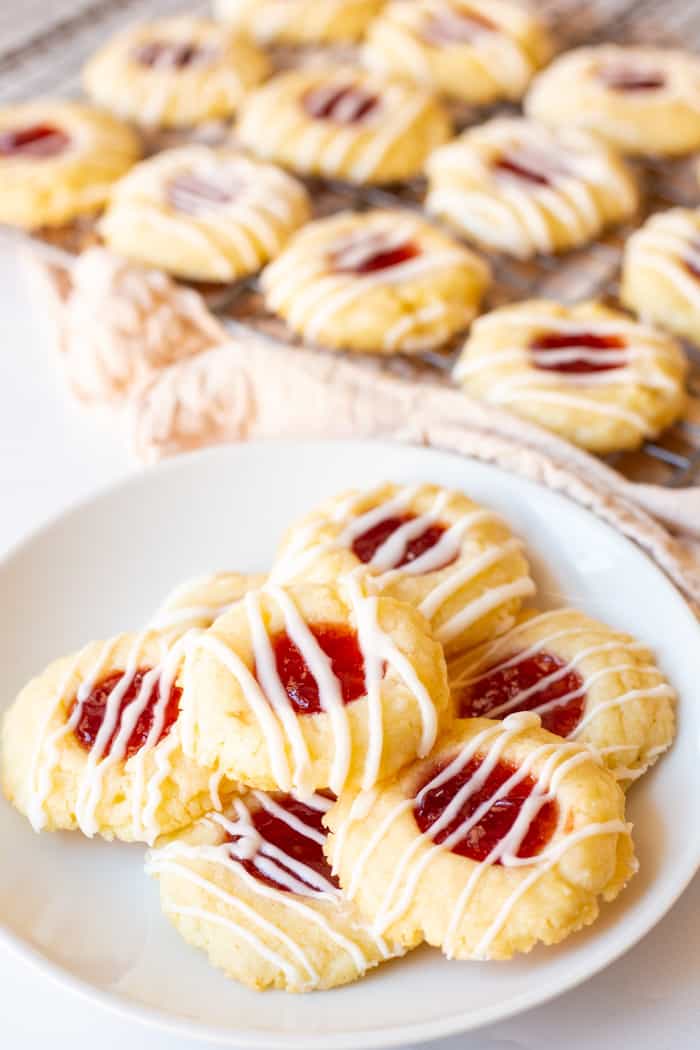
85, 912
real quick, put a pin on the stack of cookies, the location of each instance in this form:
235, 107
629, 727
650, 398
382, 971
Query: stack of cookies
375, 746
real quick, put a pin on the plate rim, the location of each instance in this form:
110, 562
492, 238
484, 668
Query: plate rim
392, 1035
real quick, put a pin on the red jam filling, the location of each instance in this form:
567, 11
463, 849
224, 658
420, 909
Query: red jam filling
193, 193
692, 261
525, 168
372, 254
587, 341
344, 104
498, 687
341, 646
496, 822
95, 706
366, 545
626, 78
39, 140
456, 27
170, 54
298, 847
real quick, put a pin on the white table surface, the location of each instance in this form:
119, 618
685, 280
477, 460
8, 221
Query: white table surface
52, 453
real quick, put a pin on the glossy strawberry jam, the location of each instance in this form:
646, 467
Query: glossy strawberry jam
484, 697
589, 343
627, 78
366, 545
372, 254
38, 140
170, 54
525, 168
302, 849
342, 104
493, 826
95, 706
193, 193
456, 27
341, 646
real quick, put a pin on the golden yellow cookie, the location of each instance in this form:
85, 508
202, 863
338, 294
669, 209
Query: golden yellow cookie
58, 160
252, 888
197, 603
478, 51
642, 99
375, 282
522, 188
586, 681
661, 272
586, 372
299, 21
174, 73
304, 688
434, 548
94, 743
505, 837
204, 214
343, 123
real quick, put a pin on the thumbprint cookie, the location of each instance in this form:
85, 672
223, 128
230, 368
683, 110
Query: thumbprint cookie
174, 73
94, 743
312, 687
661, 272
642, 99
505, 837
58, 160
477, 51
344, 124
586, 372
299, 22
204, 214
376, 282
252, 888
197, 603
519, 187
586, 682
457, 562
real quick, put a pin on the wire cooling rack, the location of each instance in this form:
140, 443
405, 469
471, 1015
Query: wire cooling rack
42, 51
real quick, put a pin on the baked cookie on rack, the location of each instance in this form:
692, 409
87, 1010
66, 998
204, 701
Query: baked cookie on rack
174, 73
343, 123
586, 372
204, 214
586, 681
94, 743
476, 51
307, 687
299, 22
251, 886
416, 286
642, 99
434, 548
661, 272
58, 160
519, 187
505, 837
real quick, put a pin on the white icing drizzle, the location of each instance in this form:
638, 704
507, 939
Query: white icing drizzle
271, 706
305, 892
556, 762
662, 246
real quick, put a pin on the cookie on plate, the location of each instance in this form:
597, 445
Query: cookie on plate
586, 682
312, 687
457, 562
94, 743
415, 285
505, 837
586, 372
197, 603
343, 123
252, 888
519, 187
58, 160
174, 73
642, 99
299, 21
661, 272
477, 51
204, 214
